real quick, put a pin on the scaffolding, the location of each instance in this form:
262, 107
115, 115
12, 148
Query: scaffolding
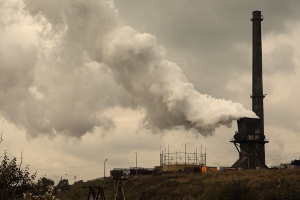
177, 161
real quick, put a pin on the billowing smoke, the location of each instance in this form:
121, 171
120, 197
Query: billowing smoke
84, 61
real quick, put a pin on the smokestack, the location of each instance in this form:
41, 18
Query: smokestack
257, 85
249, 140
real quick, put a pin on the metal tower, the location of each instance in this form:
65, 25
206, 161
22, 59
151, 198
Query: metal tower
250, 138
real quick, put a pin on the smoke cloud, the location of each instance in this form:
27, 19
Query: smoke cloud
84, 61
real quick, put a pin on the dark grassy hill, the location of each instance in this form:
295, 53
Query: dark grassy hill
247, 184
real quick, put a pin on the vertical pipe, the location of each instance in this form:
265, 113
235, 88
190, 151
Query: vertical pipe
201, 156
160, 158
168, 157
165, 156
205, 156
196, 157
162, 163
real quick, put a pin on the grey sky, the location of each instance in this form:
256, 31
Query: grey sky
64, 91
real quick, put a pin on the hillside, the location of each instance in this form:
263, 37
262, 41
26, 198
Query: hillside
248, 184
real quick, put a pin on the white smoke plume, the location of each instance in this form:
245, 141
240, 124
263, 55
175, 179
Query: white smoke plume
84, 61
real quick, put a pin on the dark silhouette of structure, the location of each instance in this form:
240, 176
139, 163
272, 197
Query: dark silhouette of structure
250, 138
119, 195
118, 175
96, 193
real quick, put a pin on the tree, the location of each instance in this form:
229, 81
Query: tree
41, 187
63, 184
14, 180
48, 195
295, 162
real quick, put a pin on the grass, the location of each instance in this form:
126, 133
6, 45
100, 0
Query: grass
247, 184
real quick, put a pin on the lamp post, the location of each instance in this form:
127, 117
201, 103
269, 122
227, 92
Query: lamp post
136, 163
104, 167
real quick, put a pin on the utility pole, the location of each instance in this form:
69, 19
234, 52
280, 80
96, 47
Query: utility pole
104, 167
21, 158
1, 139
136, 163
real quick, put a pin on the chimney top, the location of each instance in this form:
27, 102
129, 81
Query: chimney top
257, 15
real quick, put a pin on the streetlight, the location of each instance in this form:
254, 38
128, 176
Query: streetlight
136, 163
104, 167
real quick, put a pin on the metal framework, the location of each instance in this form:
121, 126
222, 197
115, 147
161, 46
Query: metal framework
173, 161
119, 195
95, 193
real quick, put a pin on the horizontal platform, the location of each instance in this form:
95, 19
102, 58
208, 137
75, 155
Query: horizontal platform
249, 140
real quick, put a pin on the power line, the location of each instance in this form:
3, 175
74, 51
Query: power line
110, 164
145, 161
50, 168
